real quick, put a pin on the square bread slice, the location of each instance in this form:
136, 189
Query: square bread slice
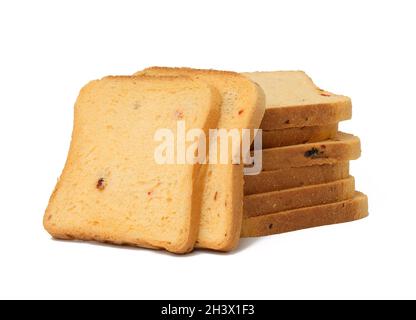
242, 107
308, 217
111, 188
342, 147
293, 100
291, 136
276, 201
277, 180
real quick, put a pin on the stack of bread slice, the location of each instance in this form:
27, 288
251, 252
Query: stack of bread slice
114, 189
305, 180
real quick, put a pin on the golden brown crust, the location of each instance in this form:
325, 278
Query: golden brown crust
109, 240
183, 70
282, 179
309, 217
343, 147
291, 136
276, 201
307, 115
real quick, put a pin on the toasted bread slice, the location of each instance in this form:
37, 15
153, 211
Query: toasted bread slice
342, 147
111, 188
276, 180
292, 136
293, 100
307, 217
276, 201
242, 107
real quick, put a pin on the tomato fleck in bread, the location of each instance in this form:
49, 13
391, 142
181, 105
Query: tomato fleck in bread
242, 107
307, 217
111, 188
293, 100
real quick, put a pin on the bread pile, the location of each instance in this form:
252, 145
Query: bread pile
112, 190
305, 180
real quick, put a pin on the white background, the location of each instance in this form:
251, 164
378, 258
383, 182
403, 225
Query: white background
364, 49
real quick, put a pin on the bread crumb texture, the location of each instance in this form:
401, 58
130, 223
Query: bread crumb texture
111, 189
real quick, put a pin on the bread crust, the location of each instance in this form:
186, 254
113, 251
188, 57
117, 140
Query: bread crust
307, 217
291, 136
343, 147
276, 201
276, 180
277, 117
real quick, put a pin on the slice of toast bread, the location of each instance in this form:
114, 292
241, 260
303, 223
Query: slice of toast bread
276, 201
111, 188
343, 147
292, 136
307, 217
282, 179
293, 100
242, 107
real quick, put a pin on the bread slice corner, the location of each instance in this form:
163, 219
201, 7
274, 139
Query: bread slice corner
293, 100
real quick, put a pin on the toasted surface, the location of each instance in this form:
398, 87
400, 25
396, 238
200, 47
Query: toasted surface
307, 217
242, 107
276, 201
292, 136
342, 147
111, 188
282, 179
293, 100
